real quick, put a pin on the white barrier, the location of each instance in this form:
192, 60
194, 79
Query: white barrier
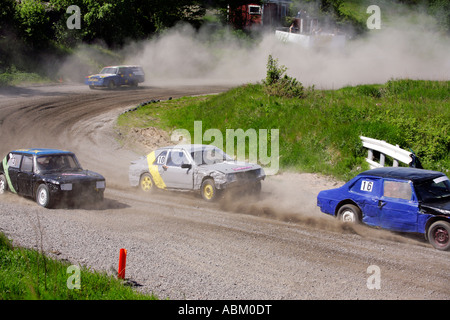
385, 149
312, 40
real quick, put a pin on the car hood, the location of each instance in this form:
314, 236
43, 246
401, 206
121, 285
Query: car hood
73, 177
101, 75
441, 207
230, 167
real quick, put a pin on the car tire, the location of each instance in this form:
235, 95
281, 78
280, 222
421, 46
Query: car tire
255, 189
111, 85
146, 183
3, 184
349, 213
438, 235
43, 197
99, 197
208, 190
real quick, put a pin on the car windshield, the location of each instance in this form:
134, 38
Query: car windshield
57, 163
109, 71
210, 156
434, 189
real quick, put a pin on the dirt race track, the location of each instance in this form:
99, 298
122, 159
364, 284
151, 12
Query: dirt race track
280, 247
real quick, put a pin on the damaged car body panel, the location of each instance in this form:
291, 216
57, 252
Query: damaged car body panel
398, 199
194, 167
49, 176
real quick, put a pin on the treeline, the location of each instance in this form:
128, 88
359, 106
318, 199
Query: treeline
32, 28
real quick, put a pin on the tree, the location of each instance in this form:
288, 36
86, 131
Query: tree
33, 22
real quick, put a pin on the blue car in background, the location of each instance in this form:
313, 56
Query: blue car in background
116, 76
395, 198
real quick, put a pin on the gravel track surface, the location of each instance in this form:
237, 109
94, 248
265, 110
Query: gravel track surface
179, 247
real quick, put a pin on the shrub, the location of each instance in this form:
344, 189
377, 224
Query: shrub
277, 83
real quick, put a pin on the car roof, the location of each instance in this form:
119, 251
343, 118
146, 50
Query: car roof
190, 147
124, 66
41, 151
403, 173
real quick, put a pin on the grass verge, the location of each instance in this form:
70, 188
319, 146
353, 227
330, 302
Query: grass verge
320, 132
29, 275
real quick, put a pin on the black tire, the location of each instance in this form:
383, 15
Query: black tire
438, 235
100, 197
146, 183
3, 184
111, 85
208, 190
256, 189
349, 213
43, 197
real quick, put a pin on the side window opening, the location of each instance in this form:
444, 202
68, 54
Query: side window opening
397, 189
160, 158
14, 160
27, 164
367, 186
176, 158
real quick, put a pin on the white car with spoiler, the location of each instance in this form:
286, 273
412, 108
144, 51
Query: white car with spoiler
195, 167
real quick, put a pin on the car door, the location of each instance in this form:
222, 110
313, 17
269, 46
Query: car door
25, 176
125, 76
174, 175
399, 207
367, 193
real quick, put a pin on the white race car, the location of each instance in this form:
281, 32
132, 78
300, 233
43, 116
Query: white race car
195, 167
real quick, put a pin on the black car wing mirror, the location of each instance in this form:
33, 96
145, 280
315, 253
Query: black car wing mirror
186, 166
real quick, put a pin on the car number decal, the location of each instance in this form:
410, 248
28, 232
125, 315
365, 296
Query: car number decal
161, 160
366, 185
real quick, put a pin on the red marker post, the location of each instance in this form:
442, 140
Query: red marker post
122, 264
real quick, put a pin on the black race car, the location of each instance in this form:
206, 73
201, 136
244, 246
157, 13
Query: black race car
49, 176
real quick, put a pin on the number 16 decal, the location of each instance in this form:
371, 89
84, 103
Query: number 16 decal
367, 186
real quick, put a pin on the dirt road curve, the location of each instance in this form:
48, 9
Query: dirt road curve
280, 247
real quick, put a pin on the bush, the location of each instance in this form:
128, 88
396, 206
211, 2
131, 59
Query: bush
277, 83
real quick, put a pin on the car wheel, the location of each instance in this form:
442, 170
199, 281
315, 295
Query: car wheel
99, 197
111, 85
256, 188
3, 184
146, 183
91, 87
43, 196
208, 190
438, 235
349, 213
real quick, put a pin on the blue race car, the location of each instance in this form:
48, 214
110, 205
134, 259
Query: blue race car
116, 76
395, 198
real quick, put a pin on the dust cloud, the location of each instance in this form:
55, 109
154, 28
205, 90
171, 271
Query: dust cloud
408, 45
288, 197
405, 48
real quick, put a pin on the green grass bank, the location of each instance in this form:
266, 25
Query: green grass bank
320, 131
29, 275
